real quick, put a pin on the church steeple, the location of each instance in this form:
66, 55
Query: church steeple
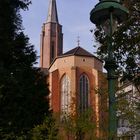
52, 12
51, 37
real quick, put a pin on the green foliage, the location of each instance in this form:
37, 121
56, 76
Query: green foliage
80, 126
23, 90
126, 47
126, 44
128, 111
45, 131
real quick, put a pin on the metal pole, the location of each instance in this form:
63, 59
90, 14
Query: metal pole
110, 66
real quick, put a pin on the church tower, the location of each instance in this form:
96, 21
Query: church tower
51, 37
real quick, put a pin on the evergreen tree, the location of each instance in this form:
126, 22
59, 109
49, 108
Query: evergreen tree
48, 130
23, 90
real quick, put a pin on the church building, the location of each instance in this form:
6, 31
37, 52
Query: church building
74, 76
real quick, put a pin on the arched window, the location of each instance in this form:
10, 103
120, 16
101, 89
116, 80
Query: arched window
65, 95
83, 93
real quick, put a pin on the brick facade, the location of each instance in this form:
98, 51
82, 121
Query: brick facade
73, 63
74, 67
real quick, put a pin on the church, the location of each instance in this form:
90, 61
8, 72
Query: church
74, 76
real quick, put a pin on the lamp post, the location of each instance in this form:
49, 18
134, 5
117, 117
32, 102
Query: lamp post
107, 13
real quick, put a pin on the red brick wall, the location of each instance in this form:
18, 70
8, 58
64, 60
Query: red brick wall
48, 36
55, 92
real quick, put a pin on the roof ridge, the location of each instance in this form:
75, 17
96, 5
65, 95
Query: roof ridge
76, 50
87, 51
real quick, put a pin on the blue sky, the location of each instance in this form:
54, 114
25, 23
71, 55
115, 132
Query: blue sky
73, 16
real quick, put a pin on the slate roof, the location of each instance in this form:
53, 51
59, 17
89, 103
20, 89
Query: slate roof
79, 52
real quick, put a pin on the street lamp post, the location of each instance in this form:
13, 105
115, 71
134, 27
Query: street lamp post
107, 13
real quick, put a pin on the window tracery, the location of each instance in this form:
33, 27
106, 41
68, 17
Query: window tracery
65, 95
83, 93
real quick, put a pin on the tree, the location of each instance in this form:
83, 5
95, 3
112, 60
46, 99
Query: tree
128, 109
78, 126
23, 89
48, 130
126, 44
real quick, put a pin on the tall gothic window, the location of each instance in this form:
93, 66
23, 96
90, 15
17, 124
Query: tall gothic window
65, 95
84, 93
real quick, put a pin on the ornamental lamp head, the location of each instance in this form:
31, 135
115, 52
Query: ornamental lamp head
100, 14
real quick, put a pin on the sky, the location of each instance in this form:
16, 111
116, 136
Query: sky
73, 16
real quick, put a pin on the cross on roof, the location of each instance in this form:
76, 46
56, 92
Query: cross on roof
78, 41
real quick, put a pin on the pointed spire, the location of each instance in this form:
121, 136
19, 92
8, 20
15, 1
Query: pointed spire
52, 12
